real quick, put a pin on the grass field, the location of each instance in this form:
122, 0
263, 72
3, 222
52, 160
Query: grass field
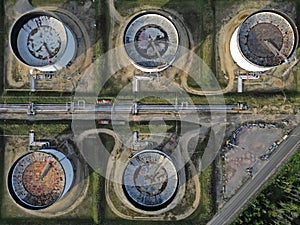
35, 99
153, 127
125, 6
205, 209
37, 3
102, 21
108, 141
41, 128
95, 180
297, 74
206, 202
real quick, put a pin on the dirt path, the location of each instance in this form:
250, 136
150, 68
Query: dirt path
115, 15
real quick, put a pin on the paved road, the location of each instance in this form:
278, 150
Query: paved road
239, 200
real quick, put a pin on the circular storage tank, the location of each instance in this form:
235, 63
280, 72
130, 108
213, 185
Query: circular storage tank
151, 42
265, 39
39, 39
39, 179
150, 180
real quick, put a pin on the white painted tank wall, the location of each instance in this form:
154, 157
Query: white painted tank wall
66, 57
240, 59
66, 165
68, 44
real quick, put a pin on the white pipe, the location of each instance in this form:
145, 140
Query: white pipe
33, 143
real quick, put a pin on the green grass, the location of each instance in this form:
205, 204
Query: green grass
261, 99
205, 210
113, 86
101, 16
37, 3
35, 99
206, 203
297, 74
156, 126
125, 6
12, 1
95, 180
41, 128
108, 141
207, 50
104, 24
191, 82
156, 100
200, 19
101, 43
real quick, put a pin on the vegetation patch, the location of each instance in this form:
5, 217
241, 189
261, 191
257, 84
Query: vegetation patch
279, 202
296, 75
205, 209
41, 128
108, 141
37, 3
125, 6
95, 182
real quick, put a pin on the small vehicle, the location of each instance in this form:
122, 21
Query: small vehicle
31, 109
103, 122
264, 157
103, 101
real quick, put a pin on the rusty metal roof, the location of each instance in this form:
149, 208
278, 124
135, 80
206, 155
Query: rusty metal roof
267, 38
38, 179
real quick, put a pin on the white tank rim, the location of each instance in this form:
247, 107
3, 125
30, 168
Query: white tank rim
70, 39
240, 59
